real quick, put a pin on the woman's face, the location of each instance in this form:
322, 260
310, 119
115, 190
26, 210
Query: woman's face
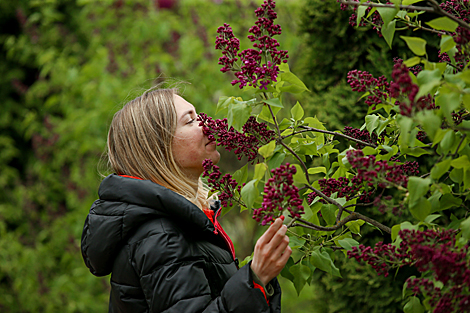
190, 146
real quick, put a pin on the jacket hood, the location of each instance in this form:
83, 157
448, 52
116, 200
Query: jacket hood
124, 205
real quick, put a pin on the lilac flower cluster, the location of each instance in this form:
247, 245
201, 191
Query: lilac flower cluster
362, 81
459, 117
382, 258
251, 71
414, 69
225, 185
431, 251
401, 88
363, 135
462, 40
386, 203
279, 193
229, 44
244, 143
370, 174
404, 90
459, 8
421, 136
344, 187
380, 172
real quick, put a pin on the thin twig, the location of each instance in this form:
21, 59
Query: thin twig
291, 222
275, 122
440, 11
354, 216
298, 158
330, 200
460, 144
358, 204
381, 5
307, 128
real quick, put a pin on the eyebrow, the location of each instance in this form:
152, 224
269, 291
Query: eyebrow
187, 112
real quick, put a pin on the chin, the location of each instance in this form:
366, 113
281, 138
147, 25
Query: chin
215, 157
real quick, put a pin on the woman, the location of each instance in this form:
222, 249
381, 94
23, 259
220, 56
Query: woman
154, 229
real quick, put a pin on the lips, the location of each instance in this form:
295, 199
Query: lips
210, 142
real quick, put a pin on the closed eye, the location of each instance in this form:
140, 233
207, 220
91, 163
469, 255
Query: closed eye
191, 121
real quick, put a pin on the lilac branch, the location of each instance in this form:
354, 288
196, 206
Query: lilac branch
354, 216
307, 128
434, 8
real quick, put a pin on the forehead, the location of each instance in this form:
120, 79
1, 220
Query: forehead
183, 107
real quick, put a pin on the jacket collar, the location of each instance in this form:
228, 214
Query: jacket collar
151, 195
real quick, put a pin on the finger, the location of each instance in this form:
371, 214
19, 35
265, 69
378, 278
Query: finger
271, 231
278, 237
282, 246
285, 256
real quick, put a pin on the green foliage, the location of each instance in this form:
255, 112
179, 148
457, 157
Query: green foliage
326, 229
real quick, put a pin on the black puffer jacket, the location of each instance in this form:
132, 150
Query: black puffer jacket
164, 254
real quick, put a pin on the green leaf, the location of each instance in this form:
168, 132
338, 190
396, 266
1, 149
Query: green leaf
440, 169
409, 2
316, 170
265, 114
388, 32
297, 112
276, 160
413, 306
297, 85
466, 101
427, 81
372, 121
461, 162
387, 14
238, 114
369, 151
443, 23
448, 103
456, 175
299, 176
222, 105
322, 261
465, 227
328, 213
447, 43
241, 175
416, 44
430, 123
412, 61
260, 169
296, 242
250, 192
267, 150
417, 187
301, 273
355, 226
348, 243
448, 141
361, 10
395, 230
274, 102
448, 201
285, 271
421, 209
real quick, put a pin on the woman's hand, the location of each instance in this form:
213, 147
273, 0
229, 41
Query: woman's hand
271, 252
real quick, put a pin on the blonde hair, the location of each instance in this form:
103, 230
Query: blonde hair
140, 144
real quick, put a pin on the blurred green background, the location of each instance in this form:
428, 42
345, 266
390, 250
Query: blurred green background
67, 66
